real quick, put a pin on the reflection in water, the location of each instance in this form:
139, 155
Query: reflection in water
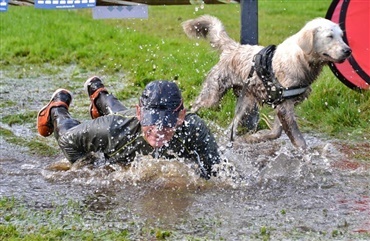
165, 205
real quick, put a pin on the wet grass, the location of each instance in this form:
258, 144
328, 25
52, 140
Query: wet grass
7, 103
334, 109
34, 145
19, 222
12, 233
72, 221
22, 118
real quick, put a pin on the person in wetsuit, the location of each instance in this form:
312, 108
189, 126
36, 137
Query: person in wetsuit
158, 126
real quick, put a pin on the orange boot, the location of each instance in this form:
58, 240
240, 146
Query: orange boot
60, 98
93, 87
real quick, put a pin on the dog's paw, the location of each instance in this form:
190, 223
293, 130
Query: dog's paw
250, 139
260, 136
245, 139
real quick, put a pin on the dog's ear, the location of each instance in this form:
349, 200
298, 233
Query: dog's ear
305, 40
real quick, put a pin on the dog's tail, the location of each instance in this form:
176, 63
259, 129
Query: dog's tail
210, 28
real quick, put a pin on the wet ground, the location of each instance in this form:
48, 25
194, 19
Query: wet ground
267, 189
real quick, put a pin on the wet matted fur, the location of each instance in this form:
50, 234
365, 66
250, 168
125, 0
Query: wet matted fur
297, 61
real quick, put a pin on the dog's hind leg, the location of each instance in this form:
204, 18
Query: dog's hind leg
264, 135
214, 87
284, 120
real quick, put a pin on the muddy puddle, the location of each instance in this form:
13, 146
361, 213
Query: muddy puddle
293, 195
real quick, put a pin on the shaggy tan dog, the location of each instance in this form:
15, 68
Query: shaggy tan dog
294, 66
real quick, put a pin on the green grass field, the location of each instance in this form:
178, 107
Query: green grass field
156, 48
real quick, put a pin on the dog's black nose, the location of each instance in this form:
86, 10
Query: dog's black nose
347, 51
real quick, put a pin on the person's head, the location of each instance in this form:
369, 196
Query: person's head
160, 111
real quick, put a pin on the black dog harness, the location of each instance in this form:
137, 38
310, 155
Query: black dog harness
276, 94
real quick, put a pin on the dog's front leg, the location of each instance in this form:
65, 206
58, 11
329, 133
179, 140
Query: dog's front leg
246, 109
285, 112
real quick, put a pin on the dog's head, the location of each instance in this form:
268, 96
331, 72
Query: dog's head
323, 38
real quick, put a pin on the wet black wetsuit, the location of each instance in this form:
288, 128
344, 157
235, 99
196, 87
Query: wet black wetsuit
120, 138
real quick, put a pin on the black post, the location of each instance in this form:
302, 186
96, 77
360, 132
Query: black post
249, 22
249, 35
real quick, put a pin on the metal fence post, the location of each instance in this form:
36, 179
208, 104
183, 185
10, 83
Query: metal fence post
249, 22
249, 35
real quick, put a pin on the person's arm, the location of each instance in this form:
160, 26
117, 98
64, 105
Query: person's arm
203, 144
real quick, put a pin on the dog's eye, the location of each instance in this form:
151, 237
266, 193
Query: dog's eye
330, 36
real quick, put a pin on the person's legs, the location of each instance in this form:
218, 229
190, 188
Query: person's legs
62, 121
102, 103
54, 117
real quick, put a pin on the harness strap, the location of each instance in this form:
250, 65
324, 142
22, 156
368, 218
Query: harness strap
276, 93
293, 92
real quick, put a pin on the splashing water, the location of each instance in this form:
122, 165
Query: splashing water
294, 195
252, 189
198, 4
